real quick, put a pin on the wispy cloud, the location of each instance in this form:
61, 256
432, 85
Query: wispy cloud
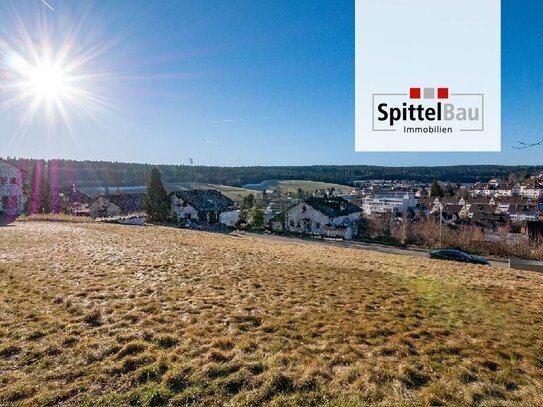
48, 5
226, 121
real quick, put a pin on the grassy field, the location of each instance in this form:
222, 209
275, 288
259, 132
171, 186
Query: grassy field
310, 186
96, 314
306, 186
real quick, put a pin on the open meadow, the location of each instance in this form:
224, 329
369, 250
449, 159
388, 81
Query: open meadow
96, 314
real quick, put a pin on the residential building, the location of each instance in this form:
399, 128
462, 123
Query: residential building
329, 217
531, 191
202, 206
391, 201
524, 215
11, 191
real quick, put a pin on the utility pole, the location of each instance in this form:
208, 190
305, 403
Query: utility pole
191, 161
440, 224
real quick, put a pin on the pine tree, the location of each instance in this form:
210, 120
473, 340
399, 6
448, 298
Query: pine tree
436, 190
245, 210
256, 220
156, 199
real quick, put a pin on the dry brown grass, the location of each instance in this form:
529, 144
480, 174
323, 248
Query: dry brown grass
55, 217
96, 314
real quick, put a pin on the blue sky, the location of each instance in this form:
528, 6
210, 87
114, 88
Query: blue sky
240, 82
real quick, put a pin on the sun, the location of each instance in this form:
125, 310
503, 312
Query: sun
55, 79
47, 81
43, 81
47, 86
52, 81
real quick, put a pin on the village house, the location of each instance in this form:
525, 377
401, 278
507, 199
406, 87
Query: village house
531, 189
488, 203
11, 191
422, 193
454, 213
329, 217
128, 202
423, 207
113, 205
203, 206
80, 209
507, 190
509, 204
495, 189
490, 221
483, 189
229, 218
103, 208
277, 206
524, 214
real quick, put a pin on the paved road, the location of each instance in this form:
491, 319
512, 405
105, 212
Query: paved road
412, 251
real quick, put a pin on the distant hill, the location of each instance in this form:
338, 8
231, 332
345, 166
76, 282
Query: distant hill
114, 174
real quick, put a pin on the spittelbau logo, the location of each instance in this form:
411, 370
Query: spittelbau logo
428, 111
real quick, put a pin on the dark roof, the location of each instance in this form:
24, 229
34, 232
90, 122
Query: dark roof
485, 209
428, 202
478, 200
206, 199
449, 201
511, 200
128, 202
506, 185
453, 208
333, 206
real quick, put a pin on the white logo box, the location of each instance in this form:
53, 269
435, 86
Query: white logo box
428, 44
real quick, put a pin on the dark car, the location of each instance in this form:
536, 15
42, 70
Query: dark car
457, 255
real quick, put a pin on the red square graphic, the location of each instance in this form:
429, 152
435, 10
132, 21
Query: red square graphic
414, 93
442, 93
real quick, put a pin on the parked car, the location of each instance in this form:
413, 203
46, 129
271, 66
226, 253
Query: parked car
457, 255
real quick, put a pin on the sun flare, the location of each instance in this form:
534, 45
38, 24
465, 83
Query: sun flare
43, 81
47, 81
51, 83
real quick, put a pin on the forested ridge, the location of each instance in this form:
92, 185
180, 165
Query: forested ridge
113, 174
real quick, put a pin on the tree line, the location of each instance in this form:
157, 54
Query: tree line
117, 174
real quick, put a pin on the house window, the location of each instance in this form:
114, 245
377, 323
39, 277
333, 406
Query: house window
3, 180
13, 180
318, 225
304, 208
291, 223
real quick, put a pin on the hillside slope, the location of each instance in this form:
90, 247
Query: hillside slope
101, 314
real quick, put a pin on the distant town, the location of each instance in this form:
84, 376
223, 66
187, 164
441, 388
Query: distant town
499, 216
